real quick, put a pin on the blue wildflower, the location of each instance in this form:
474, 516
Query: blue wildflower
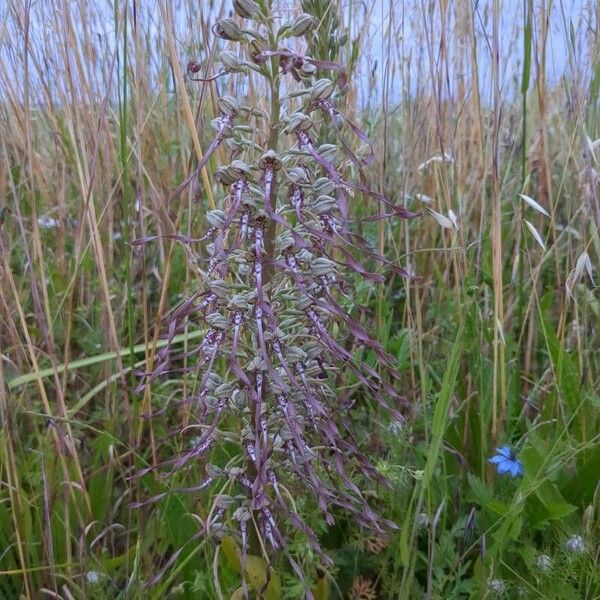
507, 462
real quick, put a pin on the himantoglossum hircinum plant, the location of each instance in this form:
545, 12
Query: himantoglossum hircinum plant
280, 251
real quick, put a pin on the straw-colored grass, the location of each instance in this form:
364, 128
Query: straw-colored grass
485, 118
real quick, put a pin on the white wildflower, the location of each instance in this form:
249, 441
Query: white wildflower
543, 562
395, 427
575, 544
497, 586
423, 519
92, 577
47, 222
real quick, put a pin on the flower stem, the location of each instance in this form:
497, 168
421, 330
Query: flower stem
272, 143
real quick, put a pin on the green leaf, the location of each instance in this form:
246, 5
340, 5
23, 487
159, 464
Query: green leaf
564, 367
480, 492
255, 569
559, 510
515, 527
99, 358
500, 508
441, 412
581, 487
322, 590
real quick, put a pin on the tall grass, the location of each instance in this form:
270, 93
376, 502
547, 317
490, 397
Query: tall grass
487, 118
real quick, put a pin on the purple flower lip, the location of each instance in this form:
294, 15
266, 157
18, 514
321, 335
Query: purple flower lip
506, 462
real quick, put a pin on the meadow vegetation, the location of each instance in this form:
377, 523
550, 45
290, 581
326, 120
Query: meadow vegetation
487, 310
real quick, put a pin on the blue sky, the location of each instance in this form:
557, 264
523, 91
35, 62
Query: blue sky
567, 20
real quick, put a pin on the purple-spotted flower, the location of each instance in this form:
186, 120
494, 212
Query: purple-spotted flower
507, 462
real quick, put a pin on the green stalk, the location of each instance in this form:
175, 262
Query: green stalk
130, 353
127, 197
527, 9
272, 143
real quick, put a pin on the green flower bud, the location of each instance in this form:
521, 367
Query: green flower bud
321, 90
256, 364
270, 157
239, 168
245, 8
303, 302
240, 399
223, 501
328, 151
250, 201
313, 350
219, 287
216, 217
324, 186
296, 354
228, 105
231, 63
234, 472
235, 145
284, 241
322, 266
324, 204
228, 29
255, 47
297, 122
303, 24
213, 471
225, 389
298, 176
239, 301
286, 434
307, 70
241, 514
217, 321
224, 176
231, 173
284, 31
213, 381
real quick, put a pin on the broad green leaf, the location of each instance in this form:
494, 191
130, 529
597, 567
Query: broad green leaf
440, 415
564, 367
559, 510
322, 590
516, 526
255, 570
496, 506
